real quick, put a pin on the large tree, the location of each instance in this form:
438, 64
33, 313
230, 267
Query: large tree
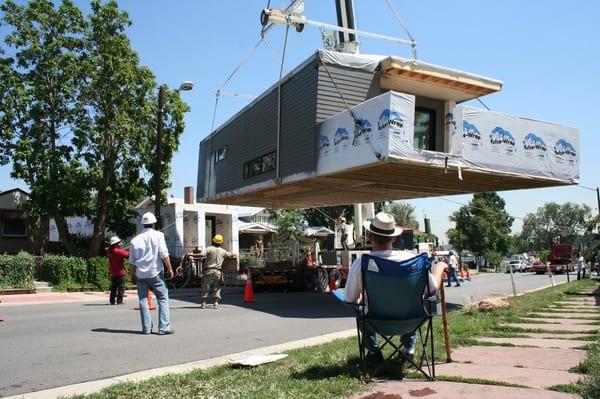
42, 87
482, 226
551, 221
116, 137
81, 115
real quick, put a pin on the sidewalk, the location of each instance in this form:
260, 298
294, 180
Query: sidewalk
57, 297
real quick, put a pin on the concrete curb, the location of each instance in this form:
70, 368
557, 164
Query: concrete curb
98, 385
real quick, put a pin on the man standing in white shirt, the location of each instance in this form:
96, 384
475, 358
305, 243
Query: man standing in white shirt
147, 255
580, 266
452, 269
382, 233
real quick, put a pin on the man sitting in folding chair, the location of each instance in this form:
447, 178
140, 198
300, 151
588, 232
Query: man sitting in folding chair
390, 276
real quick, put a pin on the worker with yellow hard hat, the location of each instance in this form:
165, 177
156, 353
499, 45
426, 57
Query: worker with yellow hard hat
212, 274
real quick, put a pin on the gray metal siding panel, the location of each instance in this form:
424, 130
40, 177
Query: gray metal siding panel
250, 135
201, 184
308, 97
355, 86
298, 128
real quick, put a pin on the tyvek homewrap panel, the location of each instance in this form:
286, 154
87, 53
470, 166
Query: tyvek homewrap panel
385, 126
491, 140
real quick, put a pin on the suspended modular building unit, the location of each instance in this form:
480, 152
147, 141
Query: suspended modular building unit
346, 128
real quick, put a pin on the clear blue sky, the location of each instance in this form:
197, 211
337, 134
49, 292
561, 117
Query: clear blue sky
546, 53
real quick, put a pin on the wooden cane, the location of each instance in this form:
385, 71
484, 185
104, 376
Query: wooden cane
445, 324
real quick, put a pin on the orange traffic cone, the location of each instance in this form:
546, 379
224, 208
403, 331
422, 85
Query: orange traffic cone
150, 304
332, 284
248, 290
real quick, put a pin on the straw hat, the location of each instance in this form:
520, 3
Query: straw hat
383, 224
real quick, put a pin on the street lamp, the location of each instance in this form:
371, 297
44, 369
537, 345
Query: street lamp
185, 86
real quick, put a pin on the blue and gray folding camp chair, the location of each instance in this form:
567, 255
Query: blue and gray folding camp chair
395, 306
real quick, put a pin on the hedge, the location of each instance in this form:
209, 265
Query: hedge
64, 271
16, 271
98, 273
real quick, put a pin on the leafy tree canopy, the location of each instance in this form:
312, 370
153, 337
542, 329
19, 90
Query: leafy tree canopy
78, 114
326, 216
553, 222
403, 212
482, 226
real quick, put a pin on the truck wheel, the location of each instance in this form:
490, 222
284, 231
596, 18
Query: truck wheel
322, 279
337, 277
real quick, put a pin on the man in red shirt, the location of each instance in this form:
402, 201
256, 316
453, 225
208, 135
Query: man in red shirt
116, 258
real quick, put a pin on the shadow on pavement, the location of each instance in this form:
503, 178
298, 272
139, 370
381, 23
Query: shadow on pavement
292, 304
116, 331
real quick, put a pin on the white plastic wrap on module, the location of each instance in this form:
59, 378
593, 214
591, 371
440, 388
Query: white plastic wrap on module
385, 126
491, 140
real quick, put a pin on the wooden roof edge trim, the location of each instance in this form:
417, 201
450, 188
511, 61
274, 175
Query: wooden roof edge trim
390, 67
441, 82
432, 68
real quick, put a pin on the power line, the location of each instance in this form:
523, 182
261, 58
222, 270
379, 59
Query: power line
586, 188
495, 211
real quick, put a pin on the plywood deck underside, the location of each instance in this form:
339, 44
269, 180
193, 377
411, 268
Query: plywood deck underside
383, 181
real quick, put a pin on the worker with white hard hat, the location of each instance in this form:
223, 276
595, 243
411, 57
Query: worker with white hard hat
116, 259
148, 254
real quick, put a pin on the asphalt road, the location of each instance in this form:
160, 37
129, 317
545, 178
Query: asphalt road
51, 345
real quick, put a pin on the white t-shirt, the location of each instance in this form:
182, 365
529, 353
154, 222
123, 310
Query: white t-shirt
452, 262
354, 287
147, 251
580, 263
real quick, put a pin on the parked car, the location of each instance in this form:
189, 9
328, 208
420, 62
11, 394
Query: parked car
539, 268
516, 266
528, 266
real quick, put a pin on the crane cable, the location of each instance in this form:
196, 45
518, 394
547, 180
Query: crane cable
279, 87
413, 45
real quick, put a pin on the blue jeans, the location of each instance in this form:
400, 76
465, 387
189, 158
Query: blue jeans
452, 276
158, 287
408, 341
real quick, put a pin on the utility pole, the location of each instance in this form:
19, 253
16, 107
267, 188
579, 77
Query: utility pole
598, 199
160, 126
158, 169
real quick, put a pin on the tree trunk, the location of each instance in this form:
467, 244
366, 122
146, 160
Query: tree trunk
100, 222
65, 236
39, 236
